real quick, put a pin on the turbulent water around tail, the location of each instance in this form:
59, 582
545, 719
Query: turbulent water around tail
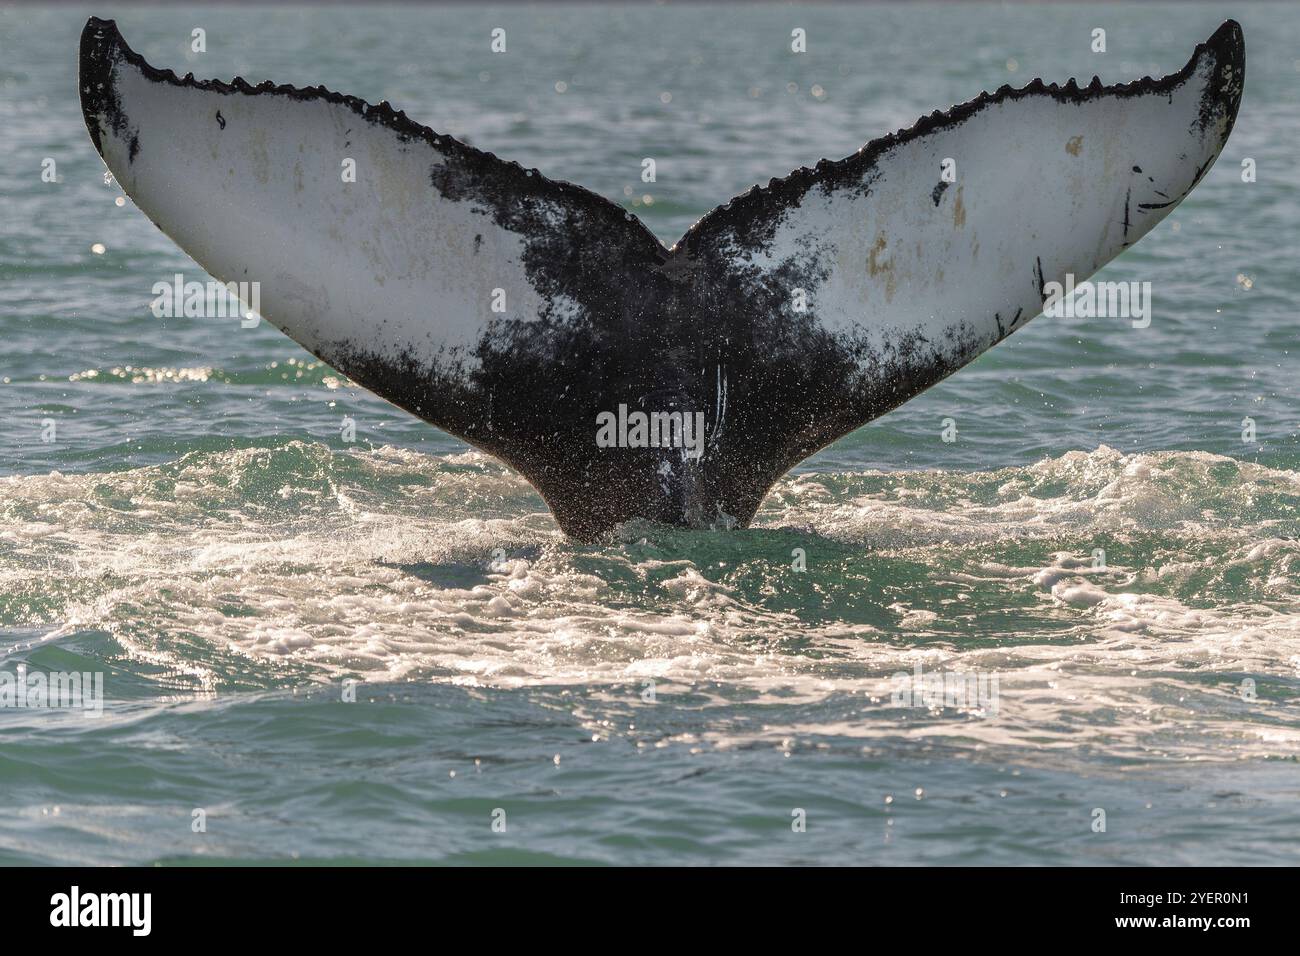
1102, 566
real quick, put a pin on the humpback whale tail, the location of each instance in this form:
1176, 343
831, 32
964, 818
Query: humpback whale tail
550, 328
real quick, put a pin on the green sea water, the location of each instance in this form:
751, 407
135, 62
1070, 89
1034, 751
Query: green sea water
1105, 542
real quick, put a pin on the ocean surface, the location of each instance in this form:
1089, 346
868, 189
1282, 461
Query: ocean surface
1105, 548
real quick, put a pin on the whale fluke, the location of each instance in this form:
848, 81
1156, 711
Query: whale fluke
537, 321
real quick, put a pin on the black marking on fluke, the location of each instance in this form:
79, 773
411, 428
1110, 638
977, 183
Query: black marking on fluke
678, 329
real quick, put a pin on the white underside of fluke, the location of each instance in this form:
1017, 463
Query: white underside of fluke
253, 188
1039, 184
263, 194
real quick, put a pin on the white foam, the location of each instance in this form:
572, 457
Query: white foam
394, 565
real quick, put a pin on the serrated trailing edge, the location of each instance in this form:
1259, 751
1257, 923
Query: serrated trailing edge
102, 43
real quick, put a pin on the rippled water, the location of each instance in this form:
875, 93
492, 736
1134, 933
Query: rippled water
1099, 540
